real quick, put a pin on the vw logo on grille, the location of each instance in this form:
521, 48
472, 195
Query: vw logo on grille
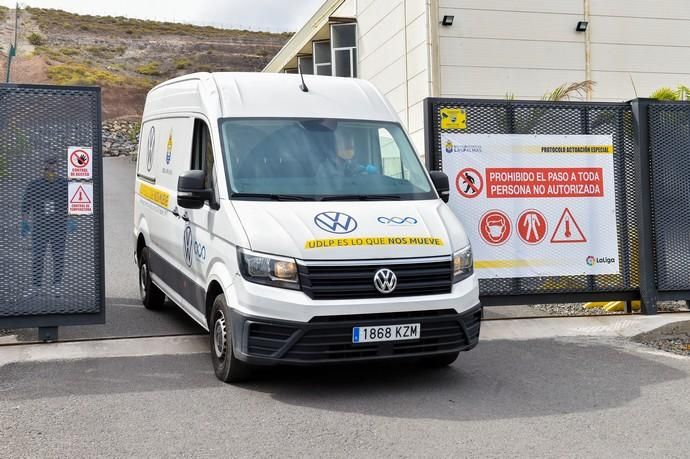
335, 222
385, 280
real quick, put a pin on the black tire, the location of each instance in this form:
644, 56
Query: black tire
441, 360
151, 296
228, 369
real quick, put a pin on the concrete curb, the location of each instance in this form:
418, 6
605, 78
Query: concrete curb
514, 330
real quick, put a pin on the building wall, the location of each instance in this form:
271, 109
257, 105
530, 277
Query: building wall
527, 48
394, 56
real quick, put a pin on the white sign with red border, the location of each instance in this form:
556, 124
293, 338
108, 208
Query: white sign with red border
80, 198
535, 205
80, 163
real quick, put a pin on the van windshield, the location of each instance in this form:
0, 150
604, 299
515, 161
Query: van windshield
321, 159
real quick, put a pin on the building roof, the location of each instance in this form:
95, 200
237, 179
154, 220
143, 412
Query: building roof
300, 42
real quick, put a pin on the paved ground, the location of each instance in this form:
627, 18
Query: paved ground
575, 397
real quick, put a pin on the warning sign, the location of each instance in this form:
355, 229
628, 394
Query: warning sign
567, 230
80, 198
495, 227
541, 205
453, 118
532, 227
469, 183
80, 163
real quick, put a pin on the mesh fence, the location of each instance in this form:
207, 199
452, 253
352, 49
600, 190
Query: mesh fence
669, 154
511, 117
51, 262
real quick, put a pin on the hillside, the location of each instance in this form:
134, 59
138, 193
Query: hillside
124, 56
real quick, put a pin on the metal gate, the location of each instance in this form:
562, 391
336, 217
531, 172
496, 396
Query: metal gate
51, 250
561, 118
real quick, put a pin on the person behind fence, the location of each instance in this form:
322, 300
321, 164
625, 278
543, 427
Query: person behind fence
45, 218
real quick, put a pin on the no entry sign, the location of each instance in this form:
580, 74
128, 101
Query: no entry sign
535, 205
80, 163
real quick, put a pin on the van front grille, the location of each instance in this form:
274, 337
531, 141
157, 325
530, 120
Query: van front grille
357, 281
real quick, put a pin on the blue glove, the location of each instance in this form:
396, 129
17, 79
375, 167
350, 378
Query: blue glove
71, 226
369, 169
25, 228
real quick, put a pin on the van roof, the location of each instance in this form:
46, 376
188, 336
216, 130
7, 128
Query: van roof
268, 95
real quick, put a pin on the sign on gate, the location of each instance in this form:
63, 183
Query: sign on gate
535, 205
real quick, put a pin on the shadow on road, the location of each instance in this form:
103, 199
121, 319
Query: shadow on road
498, 380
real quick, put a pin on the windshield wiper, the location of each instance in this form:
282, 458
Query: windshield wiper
362, 197
272, 197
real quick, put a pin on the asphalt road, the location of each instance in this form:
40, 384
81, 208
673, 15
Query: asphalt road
538, 398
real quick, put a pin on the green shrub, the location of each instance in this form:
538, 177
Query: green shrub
69, 51
151, 69
182, 63
36, 39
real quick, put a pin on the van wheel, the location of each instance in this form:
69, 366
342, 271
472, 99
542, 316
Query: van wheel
440, 361
228, 369
151, 296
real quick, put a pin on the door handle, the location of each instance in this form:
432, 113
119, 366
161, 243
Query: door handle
175, 212
185, 217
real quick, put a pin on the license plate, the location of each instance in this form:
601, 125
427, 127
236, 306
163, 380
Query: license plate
385, 333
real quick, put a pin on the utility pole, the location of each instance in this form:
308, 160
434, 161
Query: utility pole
13, 46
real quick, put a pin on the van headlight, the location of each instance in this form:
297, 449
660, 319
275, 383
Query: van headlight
268, 269
463, 264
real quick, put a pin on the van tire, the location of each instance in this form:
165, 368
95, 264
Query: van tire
151, 296
441, 360
228, 369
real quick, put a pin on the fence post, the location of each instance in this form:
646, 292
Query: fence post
648, 288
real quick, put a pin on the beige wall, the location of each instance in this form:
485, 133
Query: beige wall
394, 56
530, 47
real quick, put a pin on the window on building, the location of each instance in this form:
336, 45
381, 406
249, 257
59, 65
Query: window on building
322, 58
344, 57
306, 64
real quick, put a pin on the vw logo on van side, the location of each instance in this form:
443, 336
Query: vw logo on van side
150, 147
385, 280
335, 222
187, 245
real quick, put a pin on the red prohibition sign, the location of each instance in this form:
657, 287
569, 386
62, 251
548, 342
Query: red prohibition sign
469, 183
79, 158
532, 227
495, 227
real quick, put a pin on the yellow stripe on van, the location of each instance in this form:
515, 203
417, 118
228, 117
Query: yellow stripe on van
371, 241
153, 194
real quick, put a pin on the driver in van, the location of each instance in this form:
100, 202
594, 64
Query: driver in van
342, 163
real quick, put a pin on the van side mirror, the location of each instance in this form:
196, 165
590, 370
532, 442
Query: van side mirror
440, 181
191, 190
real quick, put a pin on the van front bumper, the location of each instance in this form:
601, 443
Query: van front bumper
328, 339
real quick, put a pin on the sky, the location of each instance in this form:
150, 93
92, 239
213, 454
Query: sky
271, 15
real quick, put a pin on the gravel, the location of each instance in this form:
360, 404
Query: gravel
578, 309
673, 338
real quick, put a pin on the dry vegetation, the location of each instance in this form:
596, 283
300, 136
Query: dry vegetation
50, 21
4, 11
128, 56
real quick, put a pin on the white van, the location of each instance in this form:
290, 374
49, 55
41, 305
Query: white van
297, 224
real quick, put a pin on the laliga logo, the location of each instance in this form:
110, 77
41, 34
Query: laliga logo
591, 261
